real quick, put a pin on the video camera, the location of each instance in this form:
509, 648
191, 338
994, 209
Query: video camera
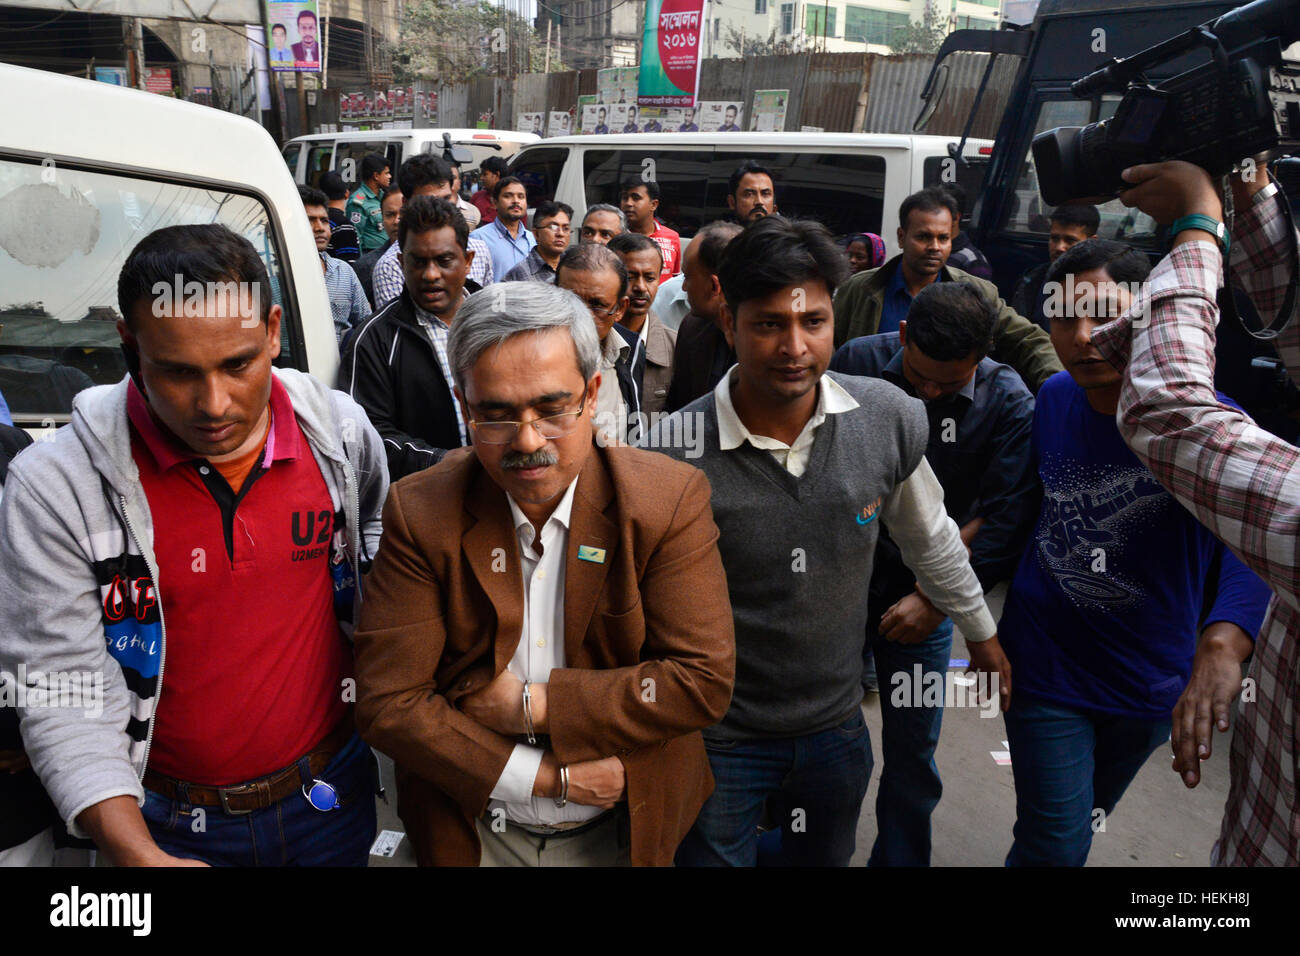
1245, 101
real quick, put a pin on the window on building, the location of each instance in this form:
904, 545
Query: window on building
717, 27
787, 19
819, 21
865, 25
975, 23
760, 6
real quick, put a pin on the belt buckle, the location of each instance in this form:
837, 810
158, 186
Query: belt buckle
225, 792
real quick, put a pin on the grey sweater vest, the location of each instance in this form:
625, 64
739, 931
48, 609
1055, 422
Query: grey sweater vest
798, 554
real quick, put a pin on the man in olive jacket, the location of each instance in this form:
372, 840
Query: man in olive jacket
874, 301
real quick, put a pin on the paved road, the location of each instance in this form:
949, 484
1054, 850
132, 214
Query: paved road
1159, 822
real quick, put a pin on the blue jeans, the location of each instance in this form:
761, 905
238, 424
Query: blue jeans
910, 787
289, 833
816, 784
1069, 763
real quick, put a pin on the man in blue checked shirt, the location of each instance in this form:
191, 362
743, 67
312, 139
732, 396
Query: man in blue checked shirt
981, 418
348, 304
507, 239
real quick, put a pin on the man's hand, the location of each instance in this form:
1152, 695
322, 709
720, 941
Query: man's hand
911, 620
597, 783
118, 827
987, 657
499, 705
1169, 191
1215, 681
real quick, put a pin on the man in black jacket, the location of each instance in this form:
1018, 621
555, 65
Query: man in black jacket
396, 366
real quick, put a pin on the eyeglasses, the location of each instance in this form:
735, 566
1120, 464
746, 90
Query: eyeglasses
552, 426
599, 311
557, 228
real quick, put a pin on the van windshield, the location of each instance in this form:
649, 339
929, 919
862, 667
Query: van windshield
64, 234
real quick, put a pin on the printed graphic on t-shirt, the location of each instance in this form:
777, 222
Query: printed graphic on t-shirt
1090, 516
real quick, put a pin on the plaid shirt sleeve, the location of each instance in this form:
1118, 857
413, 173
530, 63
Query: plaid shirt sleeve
1240, 481
387, 278
1243, 484
480, 269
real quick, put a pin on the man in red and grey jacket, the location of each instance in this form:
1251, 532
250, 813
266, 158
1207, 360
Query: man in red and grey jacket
244, 500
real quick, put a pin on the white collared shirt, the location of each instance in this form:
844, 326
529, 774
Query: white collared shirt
611, 410
732, 433
540, 650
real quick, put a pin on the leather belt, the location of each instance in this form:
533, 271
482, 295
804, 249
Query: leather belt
255, 794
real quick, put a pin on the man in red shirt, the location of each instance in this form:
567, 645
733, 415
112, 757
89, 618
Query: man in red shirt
245, 499
639, 200
490, 172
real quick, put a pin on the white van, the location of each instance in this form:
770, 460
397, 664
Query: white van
309, 156
88, 169
851, 182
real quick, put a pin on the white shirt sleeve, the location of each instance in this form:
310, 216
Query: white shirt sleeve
515, 784
931, 547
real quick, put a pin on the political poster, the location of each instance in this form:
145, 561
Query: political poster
294, 29
670, 57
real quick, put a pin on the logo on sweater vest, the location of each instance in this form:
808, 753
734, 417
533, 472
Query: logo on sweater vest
869, 512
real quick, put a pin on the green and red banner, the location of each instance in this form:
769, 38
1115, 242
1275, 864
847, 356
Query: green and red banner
670, 52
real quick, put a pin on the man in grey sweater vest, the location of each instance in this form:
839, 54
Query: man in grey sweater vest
802, 462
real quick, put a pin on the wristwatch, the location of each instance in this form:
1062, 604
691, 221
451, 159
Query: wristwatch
1201, 221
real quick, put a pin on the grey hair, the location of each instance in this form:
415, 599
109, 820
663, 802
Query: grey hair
506, 309
606, 207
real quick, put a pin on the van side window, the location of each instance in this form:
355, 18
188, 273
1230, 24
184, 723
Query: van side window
843, 191
292, 153
58, 298
681, 175
539, 170
347, 160
939, 170
318, 163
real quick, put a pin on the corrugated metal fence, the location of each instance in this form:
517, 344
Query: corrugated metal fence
838, 92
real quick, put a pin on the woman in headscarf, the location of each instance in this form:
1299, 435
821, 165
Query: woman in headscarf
866, 251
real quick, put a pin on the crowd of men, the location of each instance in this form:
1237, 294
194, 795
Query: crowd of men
602, 540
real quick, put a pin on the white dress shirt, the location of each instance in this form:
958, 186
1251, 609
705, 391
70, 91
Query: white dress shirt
540, 650
928, 539
610, 419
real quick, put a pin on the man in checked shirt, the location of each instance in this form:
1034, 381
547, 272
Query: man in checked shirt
1240, 481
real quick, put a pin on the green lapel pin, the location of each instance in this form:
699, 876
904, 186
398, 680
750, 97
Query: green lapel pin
587, 553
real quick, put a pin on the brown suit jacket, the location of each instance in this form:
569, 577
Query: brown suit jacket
442, 616
659, 345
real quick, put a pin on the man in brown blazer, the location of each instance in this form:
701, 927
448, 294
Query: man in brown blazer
546, 627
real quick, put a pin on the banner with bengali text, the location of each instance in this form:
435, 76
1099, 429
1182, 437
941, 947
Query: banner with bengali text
670, 52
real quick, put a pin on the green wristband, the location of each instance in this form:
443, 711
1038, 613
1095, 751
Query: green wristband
1201, 221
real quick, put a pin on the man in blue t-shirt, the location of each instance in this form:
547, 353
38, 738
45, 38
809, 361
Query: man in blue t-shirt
1102, 618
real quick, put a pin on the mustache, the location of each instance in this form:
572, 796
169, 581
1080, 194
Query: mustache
517, 461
